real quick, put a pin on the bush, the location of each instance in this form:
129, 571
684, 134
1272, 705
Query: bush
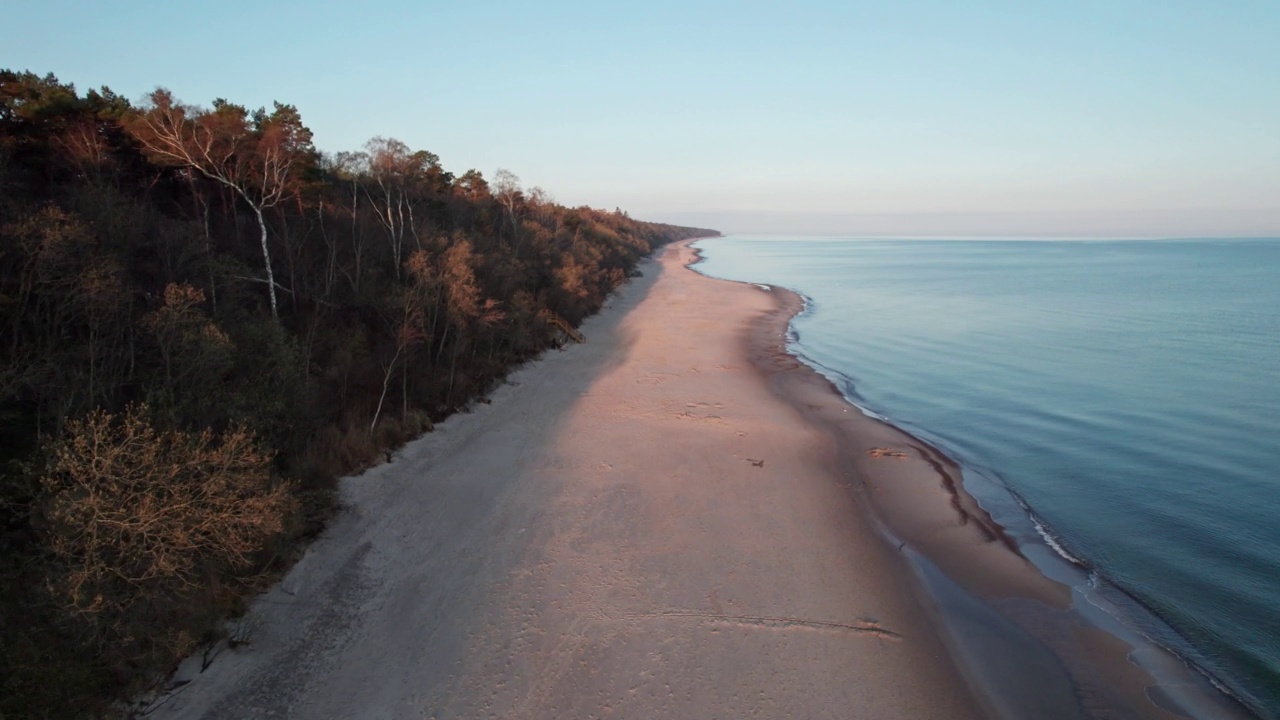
152, 533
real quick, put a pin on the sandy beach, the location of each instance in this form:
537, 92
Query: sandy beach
675, 519
635, 527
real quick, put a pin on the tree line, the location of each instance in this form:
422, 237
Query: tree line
205, 321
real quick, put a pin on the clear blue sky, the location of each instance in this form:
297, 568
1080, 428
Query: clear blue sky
1096, 117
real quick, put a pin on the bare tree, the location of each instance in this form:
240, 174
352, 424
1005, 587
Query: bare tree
407, 319
394, 173
139, 519
254, 157
506, 187
350, 168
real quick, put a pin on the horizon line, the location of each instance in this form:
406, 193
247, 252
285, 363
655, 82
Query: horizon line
1032, 238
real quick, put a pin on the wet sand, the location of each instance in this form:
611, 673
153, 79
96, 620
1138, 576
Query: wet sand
1030, 646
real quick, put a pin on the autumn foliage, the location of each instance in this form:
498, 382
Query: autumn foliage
204, 321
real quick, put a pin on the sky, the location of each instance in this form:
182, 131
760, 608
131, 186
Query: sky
917, 117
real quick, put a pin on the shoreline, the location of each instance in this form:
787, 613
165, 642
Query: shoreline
1008, 624
636, 526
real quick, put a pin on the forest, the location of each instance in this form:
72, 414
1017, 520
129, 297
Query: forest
205, 322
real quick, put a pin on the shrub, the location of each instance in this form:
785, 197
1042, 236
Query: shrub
152, 532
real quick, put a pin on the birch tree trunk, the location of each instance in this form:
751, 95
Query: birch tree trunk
266, 261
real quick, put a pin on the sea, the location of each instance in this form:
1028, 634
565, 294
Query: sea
1116, 401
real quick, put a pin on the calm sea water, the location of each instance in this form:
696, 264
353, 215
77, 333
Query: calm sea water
1128, 392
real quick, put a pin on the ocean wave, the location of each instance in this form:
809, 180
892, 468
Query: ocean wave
1052, 541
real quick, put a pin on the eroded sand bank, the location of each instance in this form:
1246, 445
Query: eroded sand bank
635, 527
